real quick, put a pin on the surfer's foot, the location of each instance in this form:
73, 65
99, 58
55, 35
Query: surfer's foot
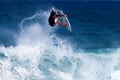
65, 25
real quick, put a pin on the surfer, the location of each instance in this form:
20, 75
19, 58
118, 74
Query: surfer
53, 19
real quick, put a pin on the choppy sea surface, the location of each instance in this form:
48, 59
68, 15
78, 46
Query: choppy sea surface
32, 50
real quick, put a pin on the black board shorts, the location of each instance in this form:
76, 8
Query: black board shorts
51, 19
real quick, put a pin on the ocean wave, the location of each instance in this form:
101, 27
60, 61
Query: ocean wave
41, 55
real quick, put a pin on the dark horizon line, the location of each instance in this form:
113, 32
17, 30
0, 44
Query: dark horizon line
54, 0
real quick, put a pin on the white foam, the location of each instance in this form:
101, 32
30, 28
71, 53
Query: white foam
115, 75
35, 57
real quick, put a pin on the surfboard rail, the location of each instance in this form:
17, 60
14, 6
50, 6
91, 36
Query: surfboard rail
65, 20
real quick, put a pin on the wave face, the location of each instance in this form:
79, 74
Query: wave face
41, 55
35, 51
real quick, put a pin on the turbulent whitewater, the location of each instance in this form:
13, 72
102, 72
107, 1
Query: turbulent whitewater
44, 53
41, 55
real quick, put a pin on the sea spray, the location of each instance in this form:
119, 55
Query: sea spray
40, 55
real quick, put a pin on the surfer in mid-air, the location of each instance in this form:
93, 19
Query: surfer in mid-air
53, 19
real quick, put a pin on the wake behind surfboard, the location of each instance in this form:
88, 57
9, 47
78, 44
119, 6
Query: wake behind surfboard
64, 19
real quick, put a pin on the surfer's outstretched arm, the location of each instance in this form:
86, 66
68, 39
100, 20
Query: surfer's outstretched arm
53, 9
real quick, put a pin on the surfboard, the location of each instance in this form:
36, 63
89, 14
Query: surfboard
65, 20
69, 26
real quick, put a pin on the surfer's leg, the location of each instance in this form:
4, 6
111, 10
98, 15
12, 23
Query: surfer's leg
60, 23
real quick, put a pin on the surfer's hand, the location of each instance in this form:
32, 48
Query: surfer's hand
53, 8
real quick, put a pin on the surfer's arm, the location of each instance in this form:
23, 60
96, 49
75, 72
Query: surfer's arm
60, 23
62, 15
53, 9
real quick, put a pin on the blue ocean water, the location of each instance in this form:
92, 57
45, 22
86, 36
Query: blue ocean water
31, 50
